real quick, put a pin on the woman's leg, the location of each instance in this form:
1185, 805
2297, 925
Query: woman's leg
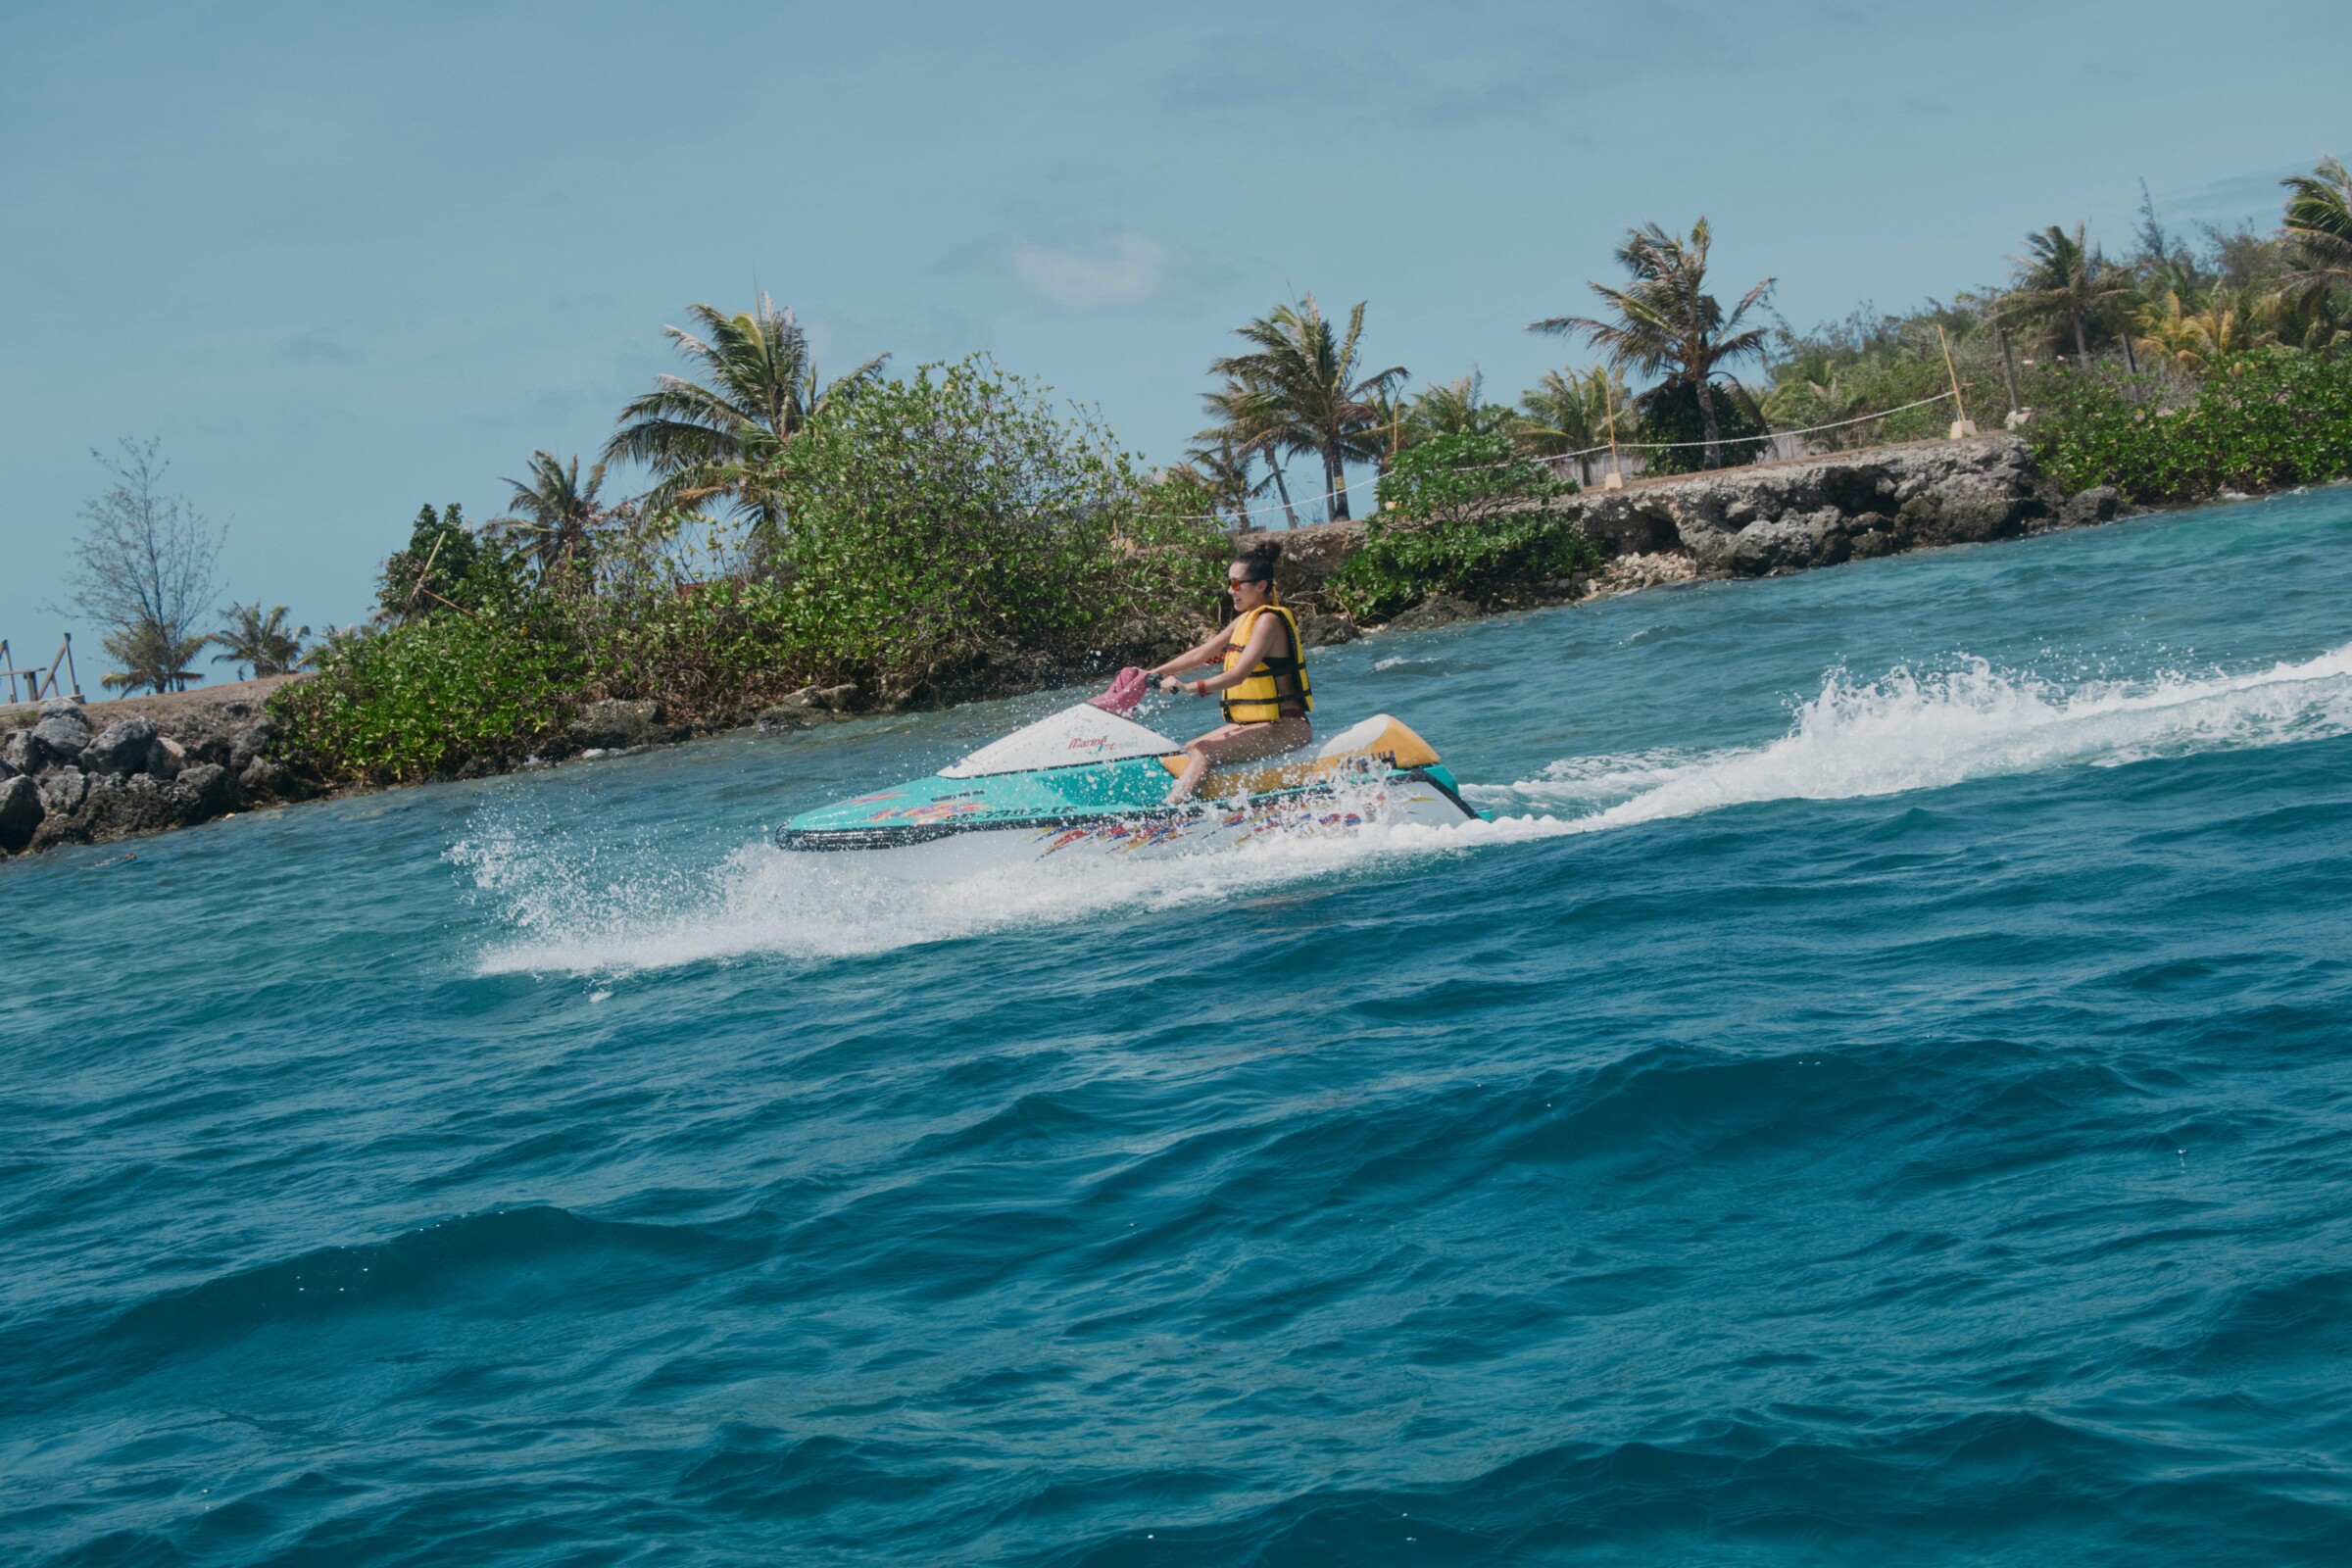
1237, 742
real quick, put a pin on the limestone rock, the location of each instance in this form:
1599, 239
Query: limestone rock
63, 791
617, 723
204, 792
21, 753
63, 734
20, 813
121, 748
1319, 630
1438, 609
2098, 503
250, 744
166, 758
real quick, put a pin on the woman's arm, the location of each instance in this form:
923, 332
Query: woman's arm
1193, 658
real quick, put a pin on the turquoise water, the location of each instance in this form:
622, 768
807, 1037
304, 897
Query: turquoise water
1877, 1095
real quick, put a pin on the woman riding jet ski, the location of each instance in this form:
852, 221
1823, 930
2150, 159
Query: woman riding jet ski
1263, 675
1090, 781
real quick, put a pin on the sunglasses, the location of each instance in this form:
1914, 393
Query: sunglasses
1242, 582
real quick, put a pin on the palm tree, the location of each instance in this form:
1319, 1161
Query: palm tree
1569, 414
1223, 465
554, 510
2195, 339
2318, 220
2062, 282
151, 657
1246, 422
1303, 392
261, 640
1665, 320
1458, 406
716, 436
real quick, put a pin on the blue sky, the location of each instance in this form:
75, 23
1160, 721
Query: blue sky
344, 262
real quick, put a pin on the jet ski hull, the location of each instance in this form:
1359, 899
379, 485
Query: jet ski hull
950, 847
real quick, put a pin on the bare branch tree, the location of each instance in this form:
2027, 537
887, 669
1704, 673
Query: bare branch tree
144, 565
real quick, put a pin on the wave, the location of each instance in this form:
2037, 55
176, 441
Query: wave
1903, 733
1908, 731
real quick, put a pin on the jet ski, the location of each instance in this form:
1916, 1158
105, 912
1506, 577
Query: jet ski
1090, 782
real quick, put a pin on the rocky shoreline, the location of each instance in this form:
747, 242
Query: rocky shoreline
65, 781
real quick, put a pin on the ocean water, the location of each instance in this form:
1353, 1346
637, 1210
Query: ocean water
1876, 1093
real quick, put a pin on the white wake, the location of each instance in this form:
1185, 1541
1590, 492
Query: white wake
1900, 733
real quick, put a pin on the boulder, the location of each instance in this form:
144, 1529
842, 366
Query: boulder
1438, 609
55, 706
121, 748
64, 790
204, 792
21, 753
164, 759
250, 743
1319, 630
263, 779
812, 705
2098, 503
617, 723
63, 734
20, 813
1775, 544
127, 807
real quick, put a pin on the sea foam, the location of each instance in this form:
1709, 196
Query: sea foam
1905, 731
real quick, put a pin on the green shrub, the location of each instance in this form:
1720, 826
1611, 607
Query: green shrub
412, 701
2274, 417
1451, 523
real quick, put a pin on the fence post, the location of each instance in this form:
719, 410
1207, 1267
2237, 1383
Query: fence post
1962, 425
1615, 479
72, 681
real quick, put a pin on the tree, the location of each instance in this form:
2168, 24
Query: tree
2061, 284
1303, 390
151, 658
261, 640
553, 511
2318, 225
1665, 320
1245, 425
144, 570
721, 437
430, 574
1458, 406
1222, 467
2196, 340
1570, 413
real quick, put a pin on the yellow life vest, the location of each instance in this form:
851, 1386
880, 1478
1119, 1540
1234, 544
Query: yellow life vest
1277, 688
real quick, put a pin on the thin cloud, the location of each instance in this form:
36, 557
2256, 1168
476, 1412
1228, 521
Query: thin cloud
1125, 269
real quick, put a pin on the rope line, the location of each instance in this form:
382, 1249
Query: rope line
1332, 495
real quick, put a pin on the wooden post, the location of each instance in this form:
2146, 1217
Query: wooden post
1615, 479
72, 681
1962, 425
8, 664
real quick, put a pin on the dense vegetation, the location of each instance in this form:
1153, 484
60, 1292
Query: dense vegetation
1446, 525
910, 534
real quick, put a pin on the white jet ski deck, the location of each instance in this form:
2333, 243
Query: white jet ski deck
1087, 781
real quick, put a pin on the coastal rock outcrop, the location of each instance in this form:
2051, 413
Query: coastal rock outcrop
173, 761
1818, 511
617, 723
